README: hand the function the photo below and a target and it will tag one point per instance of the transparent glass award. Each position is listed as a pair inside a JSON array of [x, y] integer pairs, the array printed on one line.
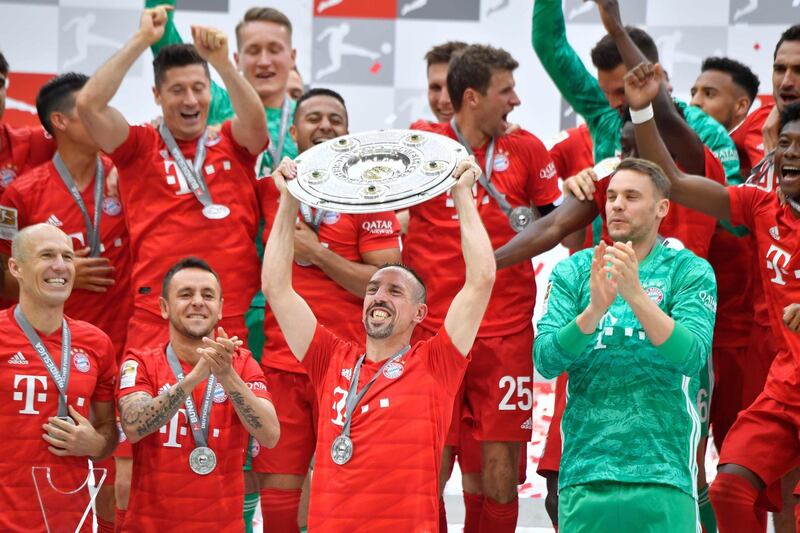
[[64, 501]]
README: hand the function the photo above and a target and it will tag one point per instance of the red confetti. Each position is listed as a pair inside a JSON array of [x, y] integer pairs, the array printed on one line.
[[756, 47], [375, 68]]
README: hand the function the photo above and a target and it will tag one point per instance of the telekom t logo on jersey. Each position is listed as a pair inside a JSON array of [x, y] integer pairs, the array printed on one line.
[[777, 261], [28, 394], [174, 175]]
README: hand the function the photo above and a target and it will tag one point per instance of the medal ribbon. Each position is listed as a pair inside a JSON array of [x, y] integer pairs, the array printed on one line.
[[92, 225], [353, 399], [61, 378], [275, 150], [194, 175], [199, 424], [485, 178], [312, 220]]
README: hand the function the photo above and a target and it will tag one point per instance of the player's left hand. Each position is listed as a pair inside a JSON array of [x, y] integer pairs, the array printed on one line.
[[791, 317], [610, 16], [581, 185], [219, 353], [467, 173], [211, 44], [623, 267], [306, 243], [66, 439], [285, 171]]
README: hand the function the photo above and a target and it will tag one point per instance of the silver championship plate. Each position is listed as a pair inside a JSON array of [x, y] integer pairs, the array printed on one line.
[[202, 460], [520, 217], [376, 171], [341, 450]]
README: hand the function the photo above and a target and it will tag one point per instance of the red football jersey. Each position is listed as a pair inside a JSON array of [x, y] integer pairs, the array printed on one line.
[[777, 234], [162, 481], [732, 258], [22, 149], [166, 222], [398, 432], [30, 397], [748, 138], [335, 307], [691, 227], [571, 151], [523, 171], [40, 195]]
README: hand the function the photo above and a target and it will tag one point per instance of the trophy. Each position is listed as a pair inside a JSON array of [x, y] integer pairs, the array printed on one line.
[[65, 507], [376, 171]]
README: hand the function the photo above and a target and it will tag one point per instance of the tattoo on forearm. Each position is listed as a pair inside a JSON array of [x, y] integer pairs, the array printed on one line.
[[146, 414], [245, 411]]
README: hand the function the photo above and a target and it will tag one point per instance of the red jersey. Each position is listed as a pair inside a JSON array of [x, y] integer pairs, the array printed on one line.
[[30, 397], [777, 235], [748, 138], [166, 222], [162, 482], [40, 195], [523, 171], [22, 149], [692, 228], [398, 431], [732, 258], [349, 236], [571, 151]]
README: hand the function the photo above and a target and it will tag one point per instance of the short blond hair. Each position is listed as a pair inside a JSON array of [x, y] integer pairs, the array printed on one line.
[[263, 14]]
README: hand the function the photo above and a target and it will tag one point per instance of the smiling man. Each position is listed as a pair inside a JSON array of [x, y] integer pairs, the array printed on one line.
[[180, 189], [56, 381], [335, 255], [379, 447], [188, 406]]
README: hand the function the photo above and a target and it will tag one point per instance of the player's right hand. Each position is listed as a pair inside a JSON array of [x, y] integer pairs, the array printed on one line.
[[211, 44], [791, 317], [602, 290], [284, 172], [467, 173], [642, 84], [153, 22], [581, 185], [92, 273]]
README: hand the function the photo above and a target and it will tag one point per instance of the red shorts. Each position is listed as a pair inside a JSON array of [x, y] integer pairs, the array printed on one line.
[[765, 439], [740, 376], [551, 455], [296, 404], [145, 330], [499, 387]]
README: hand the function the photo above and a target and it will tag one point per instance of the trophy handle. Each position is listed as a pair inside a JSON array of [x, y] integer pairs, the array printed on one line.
[[53, 500]]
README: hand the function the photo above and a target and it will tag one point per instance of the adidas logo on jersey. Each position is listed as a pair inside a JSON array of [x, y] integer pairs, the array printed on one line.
[[17, 359], [347, 373], [53, 220], [528, 424], [773, 231]]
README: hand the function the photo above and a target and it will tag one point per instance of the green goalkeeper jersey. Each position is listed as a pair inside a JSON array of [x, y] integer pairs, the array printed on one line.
[[630, 413]]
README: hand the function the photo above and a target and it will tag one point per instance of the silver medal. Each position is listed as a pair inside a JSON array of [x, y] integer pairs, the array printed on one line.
[[202, 460], [216, 211], [520, 217], [341, 450]]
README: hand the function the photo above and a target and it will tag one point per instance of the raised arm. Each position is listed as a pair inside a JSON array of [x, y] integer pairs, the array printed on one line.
[[295, 318], [105, 124], [141, 414], [249, 126], [466, 310], [576, 85], [695, 192], [546, 232]]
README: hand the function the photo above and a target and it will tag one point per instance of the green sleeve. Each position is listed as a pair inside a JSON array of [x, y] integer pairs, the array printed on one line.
[[693, 309], [220, 109], [574, 82], [559, 342]]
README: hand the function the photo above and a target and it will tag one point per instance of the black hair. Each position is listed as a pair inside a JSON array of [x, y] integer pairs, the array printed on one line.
[[4, 67], [739, 73], [58, 94], [789, 114], [186, 262], [318, 91], [791, 34], [423, 292], [176, 55], [605, 55]]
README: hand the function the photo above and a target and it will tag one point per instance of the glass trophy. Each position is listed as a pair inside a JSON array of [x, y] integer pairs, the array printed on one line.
[[65, 501]]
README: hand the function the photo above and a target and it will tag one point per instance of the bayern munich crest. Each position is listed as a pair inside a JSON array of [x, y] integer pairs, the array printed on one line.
[[81, 361], [112, 206], [393, 370], [219, 394], [376, 171]]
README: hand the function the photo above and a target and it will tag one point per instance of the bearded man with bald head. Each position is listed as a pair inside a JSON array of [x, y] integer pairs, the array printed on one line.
[[56, 386]]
